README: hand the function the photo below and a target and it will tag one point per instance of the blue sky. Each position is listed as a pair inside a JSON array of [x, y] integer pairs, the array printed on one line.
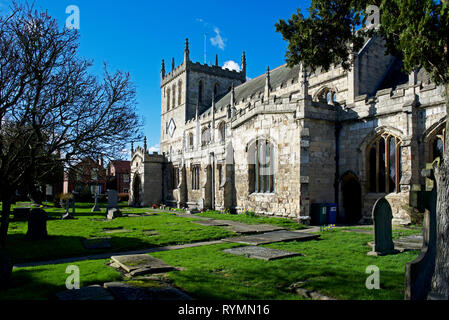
[[135, 36]]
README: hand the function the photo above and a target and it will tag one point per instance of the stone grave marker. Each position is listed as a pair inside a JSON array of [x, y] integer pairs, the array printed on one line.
[[419, 273], [273, 237], [113, 210], [96, 207], [37, 225], [383, 229], [91, 293], [262, 253], [141, 264]]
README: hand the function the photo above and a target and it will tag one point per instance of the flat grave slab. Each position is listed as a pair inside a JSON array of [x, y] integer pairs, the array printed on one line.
[[150, 233], [92, 293], [273, 237], [211, 223], [96, 243], [125, 292], [253, 228], [370, 232], [141, 264], [262, 253], [115, 230]]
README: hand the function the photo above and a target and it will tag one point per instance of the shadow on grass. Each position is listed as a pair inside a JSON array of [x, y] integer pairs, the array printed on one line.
[[22, 251]]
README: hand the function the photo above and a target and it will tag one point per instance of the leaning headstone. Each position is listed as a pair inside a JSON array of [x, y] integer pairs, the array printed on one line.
[[383, 229], [419, 273], [37, 225]]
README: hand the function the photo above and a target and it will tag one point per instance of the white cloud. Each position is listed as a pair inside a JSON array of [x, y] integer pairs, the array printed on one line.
[[232, 65], [155, 148], [218, 40]]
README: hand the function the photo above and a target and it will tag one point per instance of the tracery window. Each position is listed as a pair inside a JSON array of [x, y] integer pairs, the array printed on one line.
[[205, 137], [174, 96], [179, 92], [196, 177], [168, 99], [261, 167], [385, 169]]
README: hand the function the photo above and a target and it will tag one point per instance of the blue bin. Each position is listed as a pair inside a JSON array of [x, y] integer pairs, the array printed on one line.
[[331, 213]]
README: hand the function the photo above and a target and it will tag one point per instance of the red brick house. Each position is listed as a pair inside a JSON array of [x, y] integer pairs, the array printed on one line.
[[87, 176], [121, 170]]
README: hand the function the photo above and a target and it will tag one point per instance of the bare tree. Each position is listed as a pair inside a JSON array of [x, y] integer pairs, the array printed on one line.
[[52, 111]]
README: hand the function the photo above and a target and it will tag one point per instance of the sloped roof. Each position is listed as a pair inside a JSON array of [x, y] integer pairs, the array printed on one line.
[[252, 87]]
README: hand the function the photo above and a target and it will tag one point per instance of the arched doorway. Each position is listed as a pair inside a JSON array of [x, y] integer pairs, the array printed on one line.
[[352, 198], [137, 187]]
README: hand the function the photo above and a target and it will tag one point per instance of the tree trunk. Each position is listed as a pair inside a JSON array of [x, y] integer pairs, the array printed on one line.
[[6, 211], [440, 281]]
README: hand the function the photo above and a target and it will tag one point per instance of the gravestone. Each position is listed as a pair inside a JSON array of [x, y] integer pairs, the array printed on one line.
[[67, 215], [113, 210], [96, 208], [383, 229], [419, 273], [37, 225], [21, 214]]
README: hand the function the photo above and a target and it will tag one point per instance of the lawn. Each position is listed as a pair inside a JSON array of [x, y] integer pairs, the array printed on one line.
[[251, 218], [66, 236], [335, 265]]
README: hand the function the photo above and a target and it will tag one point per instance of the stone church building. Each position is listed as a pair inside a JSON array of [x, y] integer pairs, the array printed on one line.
[[286, 140]]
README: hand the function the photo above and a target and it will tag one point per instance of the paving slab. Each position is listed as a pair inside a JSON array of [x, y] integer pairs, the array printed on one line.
[[115, 230], [92, 293], [273, 237], [211, 223], [122, 291], [262, 253], [96, 243], [141, 262], [252, 228]]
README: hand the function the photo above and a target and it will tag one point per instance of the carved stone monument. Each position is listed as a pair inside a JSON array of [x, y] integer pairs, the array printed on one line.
[[383, 229], [419, 273], [112, 210]]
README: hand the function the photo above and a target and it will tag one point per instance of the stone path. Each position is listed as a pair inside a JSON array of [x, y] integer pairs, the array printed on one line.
[[262, 253], [273, 237], [109, 255]]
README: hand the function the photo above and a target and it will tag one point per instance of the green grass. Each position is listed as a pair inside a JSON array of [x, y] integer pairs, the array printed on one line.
[[42, 283], [334, 266], [65, 236], [250, 218]]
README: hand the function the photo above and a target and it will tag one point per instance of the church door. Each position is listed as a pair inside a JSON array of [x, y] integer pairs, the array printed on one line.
[[352, 198]]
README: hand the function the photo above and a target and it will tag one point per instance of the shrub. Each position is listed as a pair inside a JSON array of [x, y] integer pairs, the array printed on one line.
[[57, 200]]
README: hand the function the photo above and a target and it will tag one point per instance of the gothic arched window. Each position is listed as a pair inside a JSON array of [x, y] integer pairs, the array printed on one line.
[[168, 99], [205, 137], [200, 92], [261, 167], [179, 92], [385, 169], [174, 96], [190, 139], [216, 87], [222, 130]]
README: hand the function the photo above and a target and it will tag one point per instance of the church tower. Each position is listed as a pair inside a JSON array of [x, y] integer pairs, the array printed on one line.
[[187, 87]]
